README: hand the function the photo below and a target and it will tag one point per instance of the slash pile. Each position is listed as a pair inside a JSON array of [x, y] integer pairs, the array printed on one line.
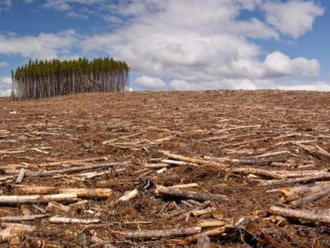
[[181, 169]]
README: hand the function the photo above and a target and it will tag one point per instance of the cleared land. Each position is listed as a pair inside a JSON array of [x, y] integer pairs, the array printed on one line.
[[257, 164]]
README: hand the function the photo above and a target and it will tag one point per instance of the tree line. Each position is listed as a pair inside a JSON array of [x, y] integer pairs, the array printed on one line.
[[47, 78]]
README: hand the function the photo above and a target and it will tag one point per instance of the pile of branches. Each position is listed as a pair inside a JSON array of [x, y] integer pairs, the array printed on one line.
[[47, 78]]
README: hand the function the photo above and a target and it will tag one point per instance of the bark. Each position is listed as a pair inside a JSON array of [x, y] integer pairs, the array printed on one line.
[[160, 190]]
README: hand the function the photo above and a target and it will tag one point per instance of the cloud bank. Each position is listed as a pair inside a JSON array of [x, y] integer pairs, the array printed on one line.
[[187, 44]]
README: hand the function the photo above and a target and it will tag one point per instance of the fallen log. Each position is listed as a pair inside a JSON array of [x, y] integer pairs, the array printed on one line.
[[303, 180], [76, 169], [300, 214], [65, 220], [22, 218], [310, 198], [151, 234], [57, 207], [294, 193], [183, 186], [129, 195], [28, 199], [260, 172], [191, 160], [81, 192], [20, 176], [211, 223], [187, 194], [210, 233]]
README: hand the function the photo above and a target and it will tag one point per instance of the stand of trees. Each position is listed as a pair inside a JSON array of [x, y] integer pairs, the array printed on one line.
[[47, 78]]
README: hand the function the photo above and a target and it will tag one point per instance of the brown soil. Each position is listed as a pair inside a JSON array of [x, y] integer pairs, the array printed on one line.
[[74, 127]]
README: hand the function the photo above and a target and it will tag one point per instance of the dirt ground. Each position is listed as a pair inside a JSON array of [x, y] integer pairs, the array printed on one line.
[[217, 127]]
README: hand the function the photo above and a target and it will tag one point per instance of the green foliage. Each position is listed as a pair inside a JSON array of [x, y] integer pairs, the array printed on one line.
[[46, 78]]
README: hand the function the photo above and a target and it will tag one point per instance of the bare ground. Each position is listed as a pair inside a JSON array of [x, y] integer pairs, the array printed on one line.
[[216, 127]]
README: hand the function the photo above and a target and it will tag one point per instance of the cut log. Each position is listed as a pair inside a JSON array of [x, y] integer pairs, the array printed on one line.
[[303, 180], [65, 220], [151, 234], [22, 218], [294, 193], [300, 214], [191, 160], [310, 198], [129, 195], [211, 223], [210, 233], [76, 169], [20, 176], [28, 199], [186, 194], [260, 172], [57, 207], [184, 186], [81, 192]]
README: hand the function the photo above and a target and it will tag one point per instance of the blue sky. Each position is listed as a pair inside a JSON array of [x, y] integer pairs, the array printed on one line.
[[177, 44]]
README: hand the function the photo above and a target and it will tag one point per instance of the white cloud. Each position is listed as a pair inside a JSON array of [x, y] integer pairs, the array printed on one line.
[[5, 86], [278, 64], [294, 17], [45, 45], [311, 86], [197, 44], [150, 83]]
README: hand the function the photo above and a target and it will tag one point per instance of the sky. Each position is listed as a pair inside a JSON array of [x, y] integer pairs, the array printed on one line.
[[177, 44]]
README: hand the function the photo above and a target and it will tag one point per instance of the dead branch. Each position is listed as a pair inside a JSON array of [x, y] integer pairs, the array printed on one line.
[[65, 220], [303, 180], [28, 199], [76, 169], [20, 176], [210, 233], [22, 218], [151, 234], [300, 214], [310, 198], [190, 160], [81, 192], [160, 190], [256, 171]]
